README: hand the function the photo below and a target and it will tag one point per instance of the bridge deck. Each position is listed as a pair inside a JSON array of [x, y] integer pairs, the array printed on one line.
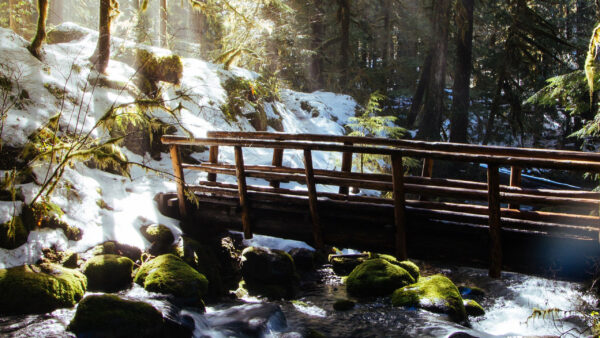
[[481, 223]]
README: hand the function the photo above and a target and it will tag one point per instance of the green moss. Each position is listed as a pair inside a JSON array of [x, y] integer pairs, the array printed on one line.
[[473, 308], [48, 215], [412, 268], [153, 69], [39, 288], [111, 316], [344, 265], [377, 277], [108, 273], [170, 275], [249, 97], [115, 248], [343, 305], [157, 233], [13, 233], [435, 293], [203, 259]]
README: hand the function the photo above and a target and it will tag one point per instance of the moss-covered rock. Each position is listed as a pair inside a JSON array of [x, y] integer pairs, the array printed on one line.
[[470, 291], [111, 316], [170, 275], [109, 273], [407, 265], [202, 258], [39, 288], [116, 248], [377, 277], [160, 236], [473, 308], [13, 233], [271, 273], [304, 259], [48, 215], [343, 305], [436, 293], [66, 32], [343, 265], [153, 68]]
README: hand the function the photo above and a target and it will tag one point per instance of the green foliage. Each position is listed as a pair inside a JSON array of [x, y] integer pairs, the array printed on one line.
[[39, 288], [565, 91], [590, 60], [247, 97]]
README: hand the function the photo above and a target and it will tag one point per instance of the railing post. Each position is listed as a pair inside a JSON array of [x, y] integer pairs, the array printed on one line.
[[346, 166], [515, 181], [179, 178], [213, 157], [312, 199], [277, 162], [242, 191], [399, 211], [427, 171], [494, 221]]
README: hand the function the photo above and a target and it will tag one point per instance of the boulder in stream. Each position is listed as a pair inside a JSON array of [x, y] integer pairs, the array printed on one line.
[[268, 272], [160, 236], [108, 273], [169, 274], [436, 293], [39, 288], [377, 277]]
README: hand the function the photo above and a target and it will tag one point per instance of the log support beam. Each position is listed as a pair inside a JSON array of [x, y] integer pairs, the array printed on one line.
[[242, 191], [399, 206], [312, 199], [179, 179], [494, 221]]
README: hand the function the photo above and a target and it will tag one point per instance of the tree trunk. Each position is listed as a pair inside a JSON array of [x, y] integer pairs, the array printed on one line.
[[430, 121], [493, 110], [459, 120], [417, 99], [387, 33], [163, 23], [36, 45], [102, 54], [344, 15], [316, 62], [55, 17]]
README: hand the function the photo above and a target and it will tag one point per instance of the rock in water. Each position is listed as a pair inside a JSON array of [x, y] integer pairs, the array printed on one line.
[[436, 293], [109, 273], [253, 320], [112, 316], [39, 288], [271, 273], [377, 277], [168, 274]]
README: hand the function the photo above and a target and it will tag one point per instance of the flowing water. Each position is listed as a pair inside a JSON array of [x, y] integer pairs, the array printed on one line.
[[508, 301]]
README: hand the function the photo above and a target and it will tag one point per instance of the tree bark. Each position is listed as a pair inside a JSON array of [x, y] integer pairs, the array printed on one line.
[[35, 48], [430, 120], [459, 119], [317, 28], [56, 15], [417, 99], [102, 54], [163, 23], [344, 15]]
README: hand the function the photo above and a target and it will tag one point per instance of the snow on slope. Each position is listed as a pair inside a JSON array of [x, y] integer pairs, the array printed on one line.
[[130, 202]]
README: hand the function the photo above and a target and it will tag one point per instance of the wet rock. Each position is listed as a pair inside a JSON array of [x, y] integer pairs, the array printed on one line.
[[160, 236], [116, 248], [344, 264], [204, 260], [39, 288], [112, 316], [253, 320], [469, 292], [169, 274], [108, 273], [343, 305], [269, 272], [473, 308], [304, 259], [71, 260], [436, 293], [377, 277]]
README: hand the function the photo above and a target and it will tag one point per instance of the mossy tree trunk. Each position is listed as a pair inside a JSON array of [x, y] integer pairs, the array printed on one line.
[[317, 28], [35, 48], [102, 53], [430, 118], [459, 119]]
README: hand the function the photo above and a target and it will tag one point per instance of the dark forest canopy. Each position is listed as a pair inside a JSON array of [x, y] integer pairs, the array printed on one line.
[[462, 70]]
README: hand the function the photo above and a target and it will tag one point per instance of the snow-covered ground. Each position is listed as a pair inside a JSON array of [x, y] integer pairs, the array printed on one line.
[[66, 68]]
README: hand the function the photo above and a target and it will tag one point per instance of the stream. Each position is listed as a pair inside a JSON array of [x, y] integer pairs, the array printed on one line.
[[508, 301]]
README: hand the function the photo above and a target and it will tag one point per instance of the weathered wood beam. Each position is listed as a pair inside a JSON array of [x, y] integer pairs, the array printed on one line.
[[399, 205], [515, 181], [276, 162], [179, 179], [213, 157], [494, 221], [346, 167], [312, 199], [243, 194]]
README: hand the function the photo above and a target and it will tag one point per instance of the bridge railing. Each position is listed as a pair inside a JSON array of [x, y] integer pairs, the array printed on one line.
[[582, 223]]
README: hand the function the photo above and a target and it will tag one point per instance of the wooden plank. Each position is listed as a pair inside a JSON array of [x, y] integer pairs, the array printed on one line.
[[443, 146], [494, 221], [276, 162], [399, 208], [312, 199], [515, 181], [179, 179], [242, 191], [213, 157], [346, 167], [426, 172]]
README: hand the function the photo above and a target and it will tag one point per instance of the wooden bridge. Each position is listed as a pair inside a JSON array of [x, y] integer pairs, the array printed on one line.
[[469, 221]]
